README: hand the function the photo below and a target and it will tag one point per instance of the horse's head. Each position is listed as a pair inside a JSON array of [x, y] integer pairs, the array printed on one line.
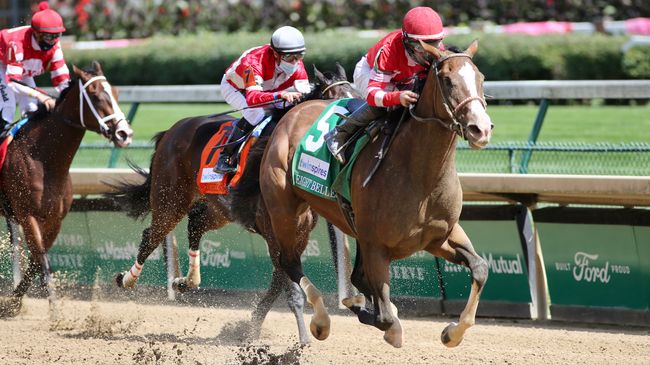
[[98, 108], [334, 85], [459, 94]]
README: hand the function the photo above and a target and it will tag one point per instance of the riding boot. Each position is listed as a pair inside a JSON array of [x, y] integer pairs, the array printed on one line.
[[359, 118], [227, 162]]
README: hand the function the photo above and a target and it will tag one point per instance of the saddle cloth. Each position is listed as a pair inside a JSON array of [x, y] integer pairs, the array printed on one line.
[[210, 182], [314, 169], [4, 145]]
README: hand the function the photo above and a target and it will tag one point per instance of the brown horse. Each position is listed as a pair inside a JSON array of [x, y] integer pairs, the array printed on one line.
[[36, 185], [170, 192], [412, 203]]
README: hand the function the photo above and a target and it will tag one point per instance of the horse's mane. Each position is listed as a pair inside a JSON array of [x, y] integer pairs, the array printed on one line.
[[317, 89], [41, 112]]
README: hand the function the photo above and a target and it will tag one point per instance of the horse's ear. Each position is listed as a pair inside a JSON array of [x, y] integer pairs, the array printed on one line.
[[473, 47], [79, 72], [319, 75], [98, 68], [431, 49], [341, 71]]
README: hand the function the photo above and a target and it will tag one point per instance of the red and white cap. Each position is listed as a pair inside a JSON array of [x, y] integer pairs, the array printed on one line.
[[47, 20], [423, 23]]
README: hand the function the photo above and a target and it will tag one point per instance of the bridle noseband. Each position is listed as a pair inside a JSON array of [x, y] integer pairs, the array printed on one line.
[[83, 95], [454, 125]]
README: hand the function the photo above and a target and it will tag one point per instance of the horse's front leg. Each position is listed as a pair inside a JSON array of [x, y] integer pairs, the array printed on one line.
[[376, 267], [292, 240], [459, 250], [201, 219]]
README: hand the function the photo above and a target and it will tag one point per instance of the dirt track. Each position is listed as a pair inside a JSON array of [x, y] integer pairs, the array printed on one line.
[[129, 333]]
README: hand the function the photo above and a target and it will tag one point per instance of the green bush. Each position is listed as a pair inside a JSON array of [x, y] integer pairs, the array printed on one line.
[[202, 58], [636, 62]]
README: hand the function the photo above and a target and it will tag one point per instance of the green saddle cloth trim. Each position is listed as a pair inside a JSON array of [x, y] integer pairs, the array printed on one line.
[[314, 169]]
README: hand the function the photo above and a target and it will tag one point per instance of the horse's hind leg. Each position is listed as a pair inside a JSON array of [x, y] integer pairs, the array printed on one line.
[[202, 218], [459, 250]]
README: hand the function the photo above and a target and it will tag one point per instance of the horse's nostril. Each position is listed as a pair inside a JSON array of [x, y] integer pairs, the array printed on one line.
[[122, 135], [474, 130]]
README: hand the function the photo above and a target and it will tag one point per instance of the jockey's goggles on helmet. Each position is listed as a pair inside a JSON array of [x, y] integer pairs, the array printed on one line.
[[49, 37], [292, 57]]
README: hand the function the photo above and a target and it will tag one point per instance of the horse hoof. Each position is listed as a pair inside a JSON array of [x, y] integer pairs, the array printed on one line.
[[445, 336], [394, 337], [320, 332], [10, 307], [355, 301], [119, 277], [180, 285], [119, 280]]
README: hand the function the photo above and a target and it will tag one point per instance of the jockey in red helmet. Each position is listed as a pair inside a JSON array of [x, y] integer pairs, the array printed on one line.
[[386, 74], [262, 74], [26, 52]]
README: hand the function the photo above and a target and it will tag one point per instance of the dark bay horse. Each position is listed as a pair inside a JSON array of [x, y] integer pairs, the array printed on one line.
[[36, 186], [412, 203], [170, 192]]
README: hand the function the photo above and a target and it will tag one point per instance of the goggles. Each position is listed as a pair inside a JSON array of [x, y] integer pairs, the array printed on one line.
[[292, 57], [49, 37]]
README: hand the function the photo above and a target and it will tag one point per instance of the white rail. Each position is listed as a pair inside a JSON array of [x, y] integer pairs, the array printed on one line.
[[563, 189]]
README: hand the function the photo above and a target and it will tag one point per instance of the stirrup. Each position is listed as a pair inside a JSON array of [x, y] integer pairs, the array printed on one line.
[[225, 166]]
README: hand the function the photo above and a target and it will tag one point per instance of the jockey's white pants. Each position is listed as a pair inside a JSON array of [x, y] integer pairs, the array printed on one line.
[[237, 100], [362, 76], [8, 97]]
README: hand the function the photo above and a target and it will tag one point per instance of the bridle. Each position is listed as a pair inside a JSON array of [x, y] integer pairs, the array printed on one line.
[[343, 82], [454, 125], [117, 112]]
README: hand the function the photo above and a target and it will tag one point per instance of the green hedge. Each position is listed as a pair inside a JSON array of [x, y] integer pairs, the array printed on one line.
[[202, 59]]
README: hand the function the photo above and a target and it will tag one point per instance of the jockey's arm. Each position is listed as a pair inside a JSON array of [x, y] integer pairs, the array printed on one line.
[[380, 81], [20, 89]]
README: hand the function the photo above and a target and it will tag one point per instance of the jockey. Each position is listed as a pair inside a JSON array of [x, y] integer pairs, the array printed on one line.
[[261, 75], [26, 52], [386, 74]]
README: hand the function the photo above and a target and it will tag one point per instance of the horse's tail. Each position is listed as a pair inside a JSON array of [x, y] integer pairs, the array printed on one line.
[[246, 195], [134, 198]]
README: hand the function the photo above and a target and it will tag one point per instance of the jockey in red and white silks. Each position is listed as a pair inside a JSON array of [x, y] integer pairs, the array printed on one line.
[[256, 77], [386, 74], [262, 74], [26, 52]]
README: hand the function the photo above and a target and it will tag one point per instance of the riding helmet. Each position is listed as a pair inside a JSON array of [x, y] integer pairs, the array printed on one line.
[[422, 23], [47, 20], [288, 40]]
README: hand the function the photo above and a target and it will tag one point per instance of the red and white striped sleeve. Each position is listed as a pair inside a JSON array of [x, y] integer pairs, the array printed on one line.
[[381, 76], [14, 61], [59, 72]]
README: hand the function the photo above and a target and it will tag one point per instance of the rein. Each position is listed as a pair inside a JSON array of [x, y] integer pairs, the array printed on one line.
[[454, 125]]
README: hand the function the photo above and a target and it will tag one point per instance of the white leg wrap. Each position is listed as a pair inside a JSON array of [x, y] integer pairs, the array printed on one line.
[[131, 276], [194, 270]]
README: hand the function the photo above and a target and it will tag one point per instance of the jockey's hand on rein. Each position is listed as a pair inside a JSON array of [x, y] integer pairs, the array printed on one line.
[[291, 96], [407, 98], [49, 103]]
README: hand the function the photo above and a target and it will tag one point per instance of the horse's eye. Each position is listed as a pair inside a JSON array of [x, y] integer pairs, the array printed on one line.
[[447, 81]]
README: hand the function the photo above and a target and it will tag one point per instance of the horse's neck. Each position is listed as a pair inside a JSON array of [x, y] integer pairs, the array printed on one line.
[[435, 144], [64, 139]]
